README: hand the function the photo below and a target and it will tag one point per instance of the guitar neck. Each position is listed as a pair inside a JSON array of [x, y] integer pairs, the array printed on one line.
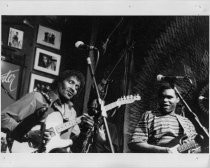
[[67, 125], [187, 146], [110, 106]]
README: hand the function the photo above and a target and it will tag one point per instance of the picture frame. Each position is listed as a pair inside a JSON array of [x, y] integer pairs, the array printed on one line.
[[49, 37], [15, 38], [47, 61], [39, 83]]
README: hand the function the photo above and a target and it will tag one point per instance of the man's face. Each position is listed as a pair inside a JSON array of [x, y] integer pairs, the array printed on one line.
[[168, 101], [45, 60], [69, 87]]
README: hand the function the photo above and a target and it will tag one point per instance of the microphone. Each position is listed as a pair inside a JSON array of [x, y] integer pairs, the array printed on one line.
[[26, 22], [168, 78], [202, 97], [81, 45]]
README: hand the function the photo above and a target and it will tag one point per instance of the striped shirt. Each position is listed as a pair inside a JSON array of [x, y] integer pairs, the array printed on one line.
[[157, 129]]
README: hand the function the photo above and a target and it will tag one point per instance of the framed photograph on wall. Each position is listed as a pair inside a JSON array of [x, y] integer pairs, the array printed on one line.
[[49, 37], [39, 83], [47, 61], [15, 38]]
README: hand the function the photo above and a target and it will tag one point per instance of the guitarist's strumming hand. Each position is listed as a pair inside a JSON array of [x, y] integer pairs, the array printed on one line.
[[36, 137], [173, 149], [47, 135]]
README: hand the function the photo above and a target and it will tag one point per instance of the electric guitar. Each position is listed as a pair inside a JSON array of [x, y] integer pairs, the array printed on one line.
[[54, 124], [186, 145]]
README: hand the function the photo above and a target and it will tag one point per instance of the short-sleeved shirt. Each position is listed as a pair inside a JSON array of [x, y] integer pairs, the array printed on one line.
[[157, 129], [28, 104]]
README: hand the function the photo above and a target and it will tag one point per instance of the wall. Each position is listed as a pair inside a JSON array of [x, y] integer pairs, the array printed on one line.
[[73, 28], [24, 56]]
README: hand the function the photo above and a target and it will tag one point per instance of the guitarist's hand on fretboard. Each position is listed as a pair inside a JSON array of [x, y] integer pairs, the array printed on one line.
[[87, 121]]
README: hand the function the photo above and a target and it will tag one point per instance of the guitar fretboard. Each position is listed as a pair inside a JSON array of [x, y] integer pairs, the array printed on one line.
[[67, 125], [110, 106], [126, 100]]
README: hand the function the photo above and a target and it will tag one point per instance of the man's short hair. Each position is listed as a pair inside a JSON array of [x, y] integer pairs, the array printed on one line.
[[163, 86], [66, 74]]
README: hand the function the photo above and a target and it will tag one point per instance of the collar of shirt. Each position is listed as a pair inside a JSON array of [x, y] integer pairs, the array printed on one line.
[[66, 109], [56, 100], [158, 113]]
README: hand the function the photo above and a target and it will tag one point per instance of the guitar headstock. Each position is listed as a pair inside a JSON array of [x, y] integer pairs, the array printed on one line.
[[128, 99]]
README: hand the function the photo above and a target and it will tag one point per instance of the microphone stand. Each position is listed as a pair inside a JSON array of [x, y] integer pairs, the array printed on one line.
[[189, 109], [101, 104], [104, 46]]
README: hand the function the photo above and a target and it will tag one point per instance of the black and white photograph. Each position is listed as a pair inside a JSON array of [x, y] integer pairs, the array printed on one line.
[[40, 83], [47, 61], [15, 38], [49, 37], [120, 81]]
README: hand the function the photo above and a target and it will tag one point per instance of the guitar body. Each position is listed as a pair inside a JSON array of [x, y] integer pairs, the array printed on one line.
[[52, 120], [186, 145]]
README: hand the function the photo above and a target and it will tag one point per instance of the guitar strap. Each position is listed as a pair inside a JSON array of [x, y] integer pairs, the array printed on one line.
[[47, 98], [50, 102], [188, 130]]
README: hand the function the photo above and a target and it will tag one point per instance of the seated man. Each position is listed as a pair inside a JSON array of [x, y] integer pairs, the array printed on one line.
[[160, 131], [53, 109]]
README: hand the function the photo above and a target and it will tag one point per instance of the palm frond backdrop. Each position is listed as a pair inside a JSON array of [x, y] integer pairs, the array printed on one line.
[[183, 50]]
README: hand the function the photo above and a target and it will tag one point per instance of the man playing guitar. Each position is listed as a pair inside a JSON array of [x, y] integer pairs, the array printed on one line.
[[49, 110], [161, 130]]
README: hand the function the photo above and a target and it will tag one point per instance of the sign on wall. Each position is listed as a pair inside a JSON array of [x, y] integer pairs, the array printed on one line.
[[10, 74]]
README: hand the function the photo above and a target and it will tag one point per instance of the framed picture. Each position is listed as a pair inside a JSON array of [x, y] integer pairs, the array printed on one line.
[[39, 83], [47, 61], [15, 38], [49, 37]]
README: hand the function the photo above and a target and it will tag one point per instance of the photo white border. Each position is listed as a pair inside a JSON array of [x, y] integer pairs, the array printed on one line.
[[107, 7], [40, 78], [36, 62], [41, 34]]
